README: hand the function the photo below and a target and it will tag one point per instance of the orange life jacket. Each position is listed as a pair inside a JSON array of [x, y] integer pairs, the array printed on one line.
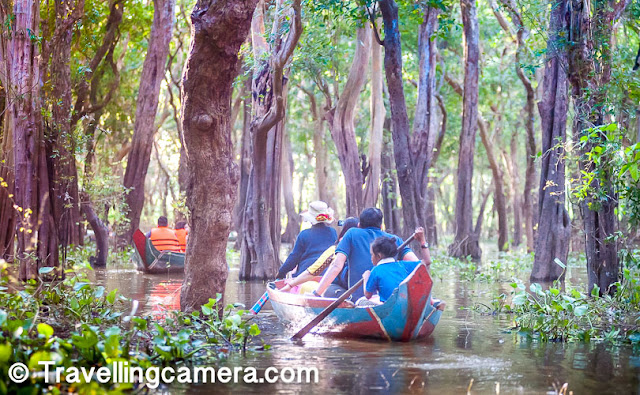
[[182, 239], [164, 239]]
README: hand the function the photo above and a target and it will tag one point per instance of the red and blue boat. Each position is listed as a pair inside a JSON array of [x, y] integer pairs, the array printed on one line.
[[409, 313]]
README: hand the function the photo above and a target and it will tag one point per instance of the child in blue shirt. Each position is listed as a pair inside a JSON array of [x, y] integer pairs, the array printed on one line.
[[387, 272]]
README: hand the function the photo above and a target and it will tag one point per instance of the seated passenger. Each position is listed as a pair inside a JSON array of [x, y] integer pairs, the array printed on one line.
[[353, 252], [182, 232], [387, 272], [312, 242], [163, 238], [305, 279]]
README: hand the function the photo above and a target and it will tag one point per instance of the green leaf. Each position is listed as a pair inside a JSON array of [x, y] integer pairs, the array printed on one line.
[[45, 330], [45, 270], [254, 330], [5, 352], [633, 171], [206, 310], [520, 299], [111, 297], [536, 288], [580, 310], [78, 286], [99, 292], [559, 263]]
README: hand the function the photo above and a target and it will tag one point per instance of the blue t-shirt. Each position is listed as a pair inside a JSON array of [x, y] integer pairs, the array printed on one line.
[[386, 277], [310, 244], [356, 245]]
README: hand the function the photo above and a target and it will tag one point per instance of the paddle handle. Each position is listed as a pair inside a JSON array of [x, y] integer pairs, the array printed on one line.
[[300, 334], [260, 303], [327, 311]]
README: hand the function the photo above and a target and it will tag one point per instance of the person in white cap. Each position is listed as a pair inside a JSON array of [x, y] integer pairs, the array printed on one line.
[[312, 242]]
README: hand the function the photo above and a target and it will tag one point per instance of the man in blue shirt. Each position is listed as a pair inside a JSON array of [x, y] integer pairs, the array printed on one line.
[[354, 251]]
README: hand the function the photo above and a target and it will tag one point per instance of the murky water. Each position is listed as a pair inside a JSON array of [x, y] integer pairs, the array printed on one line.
[[465, 346]]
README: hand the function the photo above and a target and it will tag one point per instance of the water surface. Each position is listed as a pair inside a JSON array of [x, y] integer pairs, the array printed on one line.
[[465, 346]]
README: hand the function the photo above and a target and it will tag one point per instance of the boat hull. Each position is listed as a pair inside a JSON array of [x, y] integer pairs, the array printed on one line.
[[407, 315], [149, 260]]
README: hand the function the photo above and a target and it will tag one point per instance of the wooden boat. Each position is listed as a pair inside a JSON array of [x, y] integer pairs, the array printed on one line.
[[407, 315], [150, 260]]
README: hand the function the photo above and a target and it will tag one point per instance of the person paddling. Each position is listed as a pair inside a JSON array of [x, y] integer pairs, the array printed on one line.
[[354, 251]]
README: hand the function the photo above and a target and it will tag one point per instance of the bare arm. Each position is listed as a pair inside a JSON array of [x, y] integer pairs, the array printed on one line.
[[426, 255], [365, 276], [302, 278], [332, 272]]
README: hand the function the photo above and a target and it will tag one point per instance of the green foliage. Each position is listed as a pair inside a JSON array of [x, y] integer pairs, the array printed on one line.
[[75, 323], [609, 161], [555, 314]]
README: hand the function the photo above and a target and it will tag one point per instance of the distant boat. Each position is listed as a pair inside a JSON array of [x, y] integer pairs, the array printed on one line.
[[150, 260], [407, 315]]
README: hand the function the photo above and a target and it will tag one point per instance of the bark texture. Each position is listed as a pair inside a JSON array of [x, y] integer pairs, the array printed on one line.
[[37, 240], [151, 78], [400, 121], [590, 33], [529, 123], [261, 226], [466, 242], [500, 200], [60, 140], [341, 121], [206, 125], [553, 219], [378, 114], [413, 153], [293, 217]]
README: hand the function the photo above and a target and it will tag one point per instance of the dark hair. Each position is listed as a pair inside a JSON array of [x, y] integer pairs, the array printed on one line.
[[385, 246], [163, 221], [347, 224], [371, 217], [181, 224]]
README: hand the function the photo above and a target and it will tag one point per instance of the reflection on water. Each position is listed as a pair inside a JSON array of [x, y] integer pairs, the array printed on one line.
[[465, 346]]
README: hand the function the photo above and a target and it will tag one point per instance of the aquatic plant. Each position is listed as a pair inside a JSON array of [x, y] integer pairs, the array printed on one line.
[[74, 323], [555, 314]]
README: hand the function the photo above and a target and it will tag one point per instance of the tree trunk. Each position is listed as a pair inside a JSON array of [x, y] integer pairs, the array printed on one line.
[[412, 213], [261, 226], [245, 169], [146, 106], [37, 240], [512, 162], [553, 219], [100, 231], [529, 123], [206, 119], [589, 72], [7, 213], [500, 201], [464, 244], [378, 114], [426, 140], [60, 142], [431, 226], [293, 217], [341, 123], [390, 209]]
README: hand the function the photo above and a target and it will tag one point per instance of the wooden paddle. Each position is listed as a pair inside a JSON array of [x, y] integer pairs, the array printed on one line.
[[300, 334]]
